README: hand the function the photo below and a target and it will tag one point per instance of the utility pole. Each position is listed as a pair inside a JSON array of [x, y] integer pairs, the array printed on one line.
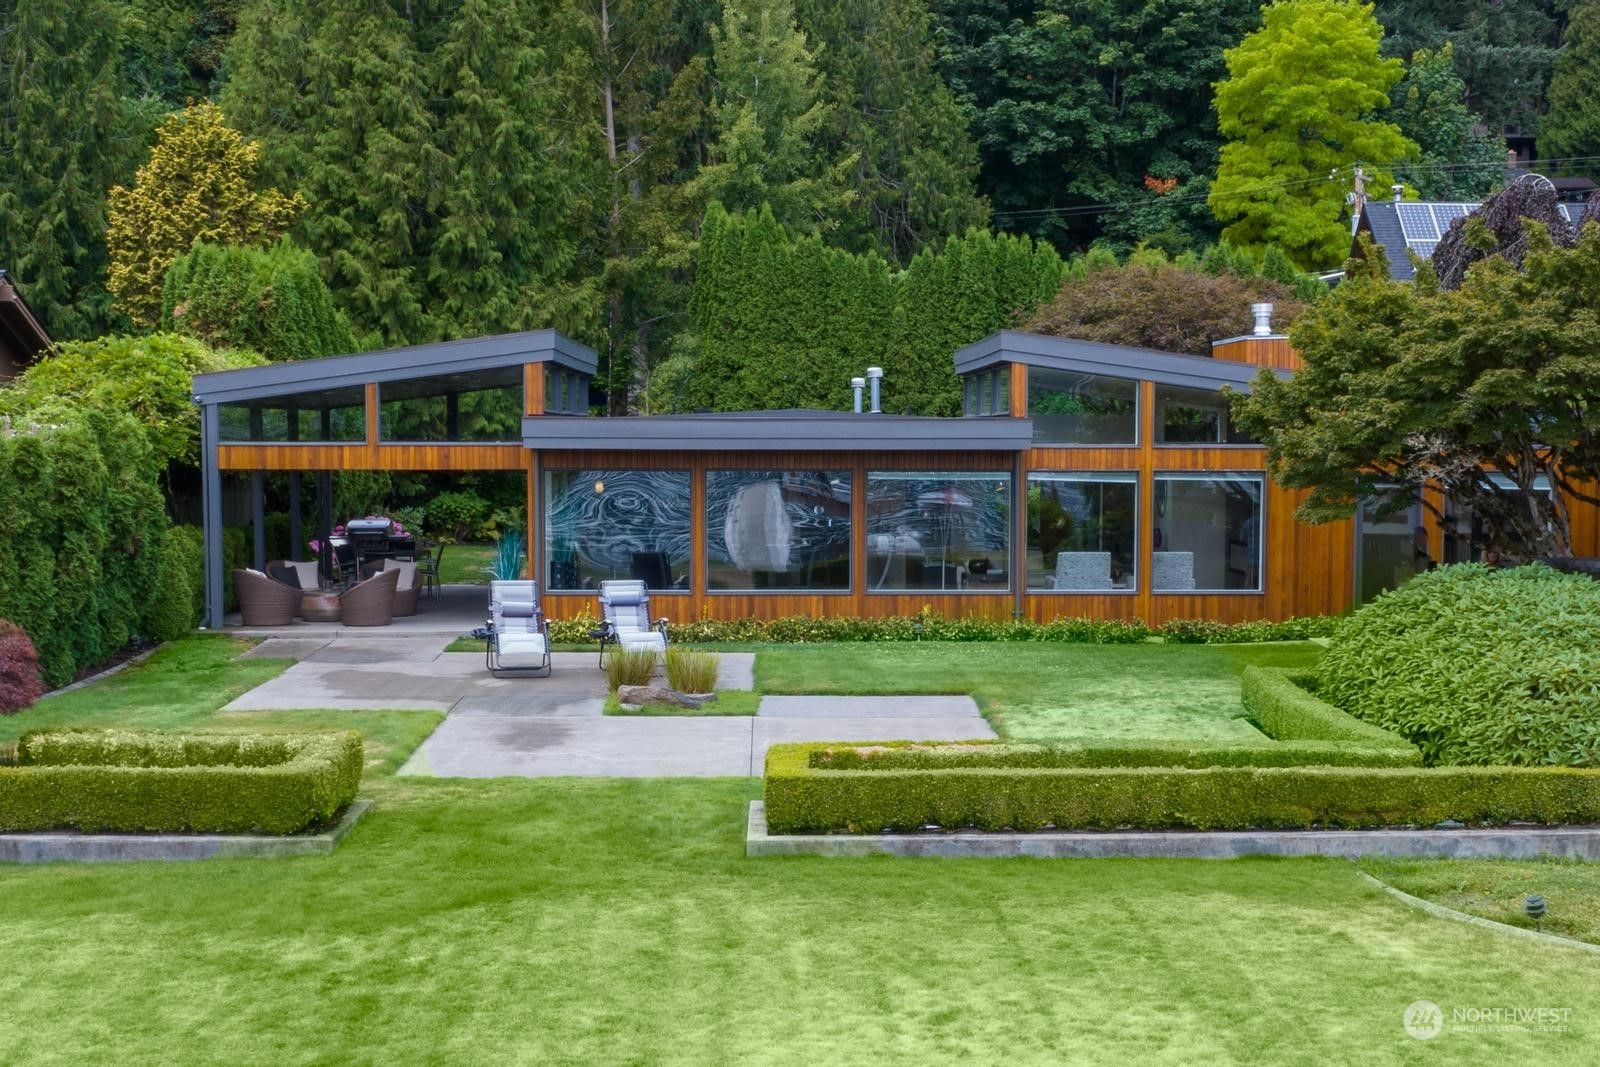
[[1358, 199]]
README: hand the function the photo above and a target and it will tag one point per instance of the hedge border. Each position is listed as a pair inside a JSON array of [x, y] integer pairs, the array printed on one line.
[[801, 799], [1283, 704], [145, 781], [922, 755]]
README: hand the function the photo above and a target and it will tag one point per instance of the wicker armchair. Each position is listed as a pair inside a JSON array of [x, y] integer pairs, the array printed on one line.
[[370, 602], [409, 592], [264, 601]]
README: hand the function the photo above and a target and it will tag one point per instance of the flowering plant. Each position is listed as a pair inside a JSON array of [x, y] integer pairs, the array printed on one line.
[[396, 529]]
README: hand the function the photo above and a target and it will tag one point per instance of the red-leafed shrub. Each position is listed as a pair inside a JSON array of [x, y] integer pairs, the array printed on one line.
[[19, 669]]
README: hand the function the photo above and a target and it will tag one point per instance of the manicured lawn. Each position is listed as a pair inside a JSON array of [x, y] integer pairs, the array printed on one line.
[[1495, 889], [617, 921], [728, 702], [1040, 691], [466, 564]]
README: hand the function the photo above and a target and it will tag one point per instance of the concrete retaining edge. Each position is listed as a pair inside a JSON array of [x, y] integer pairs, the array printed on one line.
[[1442, 912], [131, 661], [1506, 843], [101, 848]]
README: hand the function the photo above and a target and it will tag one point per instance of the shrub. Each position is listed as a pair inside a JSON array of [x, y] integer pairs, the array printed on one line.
[[20, 684], [140, 781], [911, 755], [170, 613], [691, 672], [629, 667], [187, 545], [800, 798], [1209, 632], [1477, 666], [236, 555], [457, 514]]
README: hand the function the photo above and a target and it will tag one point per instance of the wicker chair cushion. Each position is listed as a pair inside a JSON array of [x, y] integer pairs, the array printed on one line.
[[408, 572]]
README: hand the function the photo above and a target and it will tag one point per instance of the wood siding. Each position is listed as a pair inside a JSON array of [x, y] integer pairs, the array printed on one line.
[[1259, 352]]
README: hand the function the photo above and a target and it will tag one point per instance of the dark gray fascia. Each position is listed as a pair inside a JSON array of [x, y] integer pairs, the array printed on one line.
[[1112, 361], [416, 361], [774, 432]]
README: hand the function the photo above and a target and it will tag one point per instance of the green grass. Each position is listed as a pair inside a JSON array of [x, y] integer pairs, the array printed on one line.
[[728, 702], [572, 921], [1034, 692], [1495, 889], [466, 564]]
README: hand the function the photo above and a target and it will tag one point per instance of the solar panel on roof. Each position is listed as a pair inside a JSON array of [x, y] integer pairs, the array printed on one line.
[[1445, 214], [1422, 248], [1416, 222]]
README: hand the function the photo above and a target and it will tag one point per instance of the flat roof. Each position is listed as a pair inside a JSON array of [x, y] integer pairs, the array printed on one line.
[[442, 358], [778, 431], [1112, 361]]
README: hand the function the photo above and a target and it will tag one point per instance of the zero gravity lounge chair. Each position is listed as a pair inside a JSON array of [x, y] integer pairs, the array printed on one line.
[[519, 636], [625, 619]]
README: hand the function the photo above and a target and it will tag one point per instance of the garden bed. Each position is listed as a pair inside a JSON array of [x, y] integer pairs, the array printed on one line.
[[142, 781]]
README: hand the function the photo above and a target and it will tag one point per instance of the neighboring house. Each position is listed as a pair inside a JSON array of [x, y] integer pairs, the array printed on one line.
[[1083, 479], [22, 337], [1417, 225]]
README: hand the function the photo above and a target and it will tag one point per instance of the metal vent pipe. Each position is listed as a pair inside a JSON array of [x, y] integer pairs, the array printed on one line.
[[875, 376]]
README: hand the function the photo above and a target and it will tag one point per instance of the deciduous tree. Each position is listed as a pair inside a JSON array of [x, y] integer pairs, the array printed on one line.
[[1457, 162], [1413, 384], [1298, 110], [1572, 126]]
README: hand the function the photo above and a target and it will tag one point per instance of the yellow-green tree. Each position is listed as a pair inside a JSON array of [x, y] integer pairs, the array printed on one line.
[[197, 186]]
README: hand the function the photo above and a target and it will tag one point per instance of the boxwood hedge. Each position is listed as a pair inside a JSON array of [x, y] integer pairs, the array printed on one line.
[[139, 781], [801, 798], [903, 755], [1283, 703]]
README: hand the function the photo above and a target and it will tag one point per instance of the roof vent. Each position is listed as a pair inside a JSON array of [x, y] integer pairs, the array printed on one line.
[[1398, 190], [1263, 316], [856, 385], [875, 376]]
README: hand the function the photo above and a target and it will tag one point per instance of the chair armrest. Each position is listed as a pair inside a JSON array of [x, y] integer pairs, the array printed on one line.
[[661, 624]]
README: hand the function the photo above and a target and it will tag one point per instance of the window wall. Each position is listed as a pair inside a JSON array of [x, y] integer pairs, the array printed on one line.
[[323, 415], [940, 531], [1206, 532], [778, 530], [1068, 408], [1195, 416], [987, 392], [602, 524], [1082, 531], [1391, 542], [474, 406]]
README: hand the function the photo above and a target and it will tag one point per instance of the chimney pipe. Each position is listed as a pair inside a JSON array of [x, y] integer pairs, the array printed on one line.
[[1263, 317], [1398, 190], [875, 375], [858, 384]]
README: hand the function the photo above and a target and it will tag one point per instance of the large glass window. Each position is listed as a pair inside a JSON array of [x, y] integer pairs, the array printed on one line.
[[1393, 543], [777, 530], [1206, 532], [1195, 416], [987, 392], [1081, 531], [324, 415], [1468, 534], [942, 531], [602, 524], [483, 405], [1069, 408]]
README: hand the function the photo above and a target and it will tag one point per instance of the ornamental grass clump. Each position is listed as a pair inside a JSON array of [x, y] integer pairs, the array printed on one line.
[[691, 672], [629, 667], [1477, 666]]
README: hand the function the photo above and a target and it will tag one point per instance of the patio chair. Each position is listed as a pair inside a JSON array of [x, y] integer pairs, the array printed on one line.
[[409, 591], [265, 601], [296, 574], [625, 619], [518, 634], [428, 566], [370, 602]]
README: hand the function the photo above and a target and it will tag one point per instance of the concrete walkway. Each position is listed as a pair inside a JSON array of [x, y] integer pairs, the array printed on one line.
[[535, 727]]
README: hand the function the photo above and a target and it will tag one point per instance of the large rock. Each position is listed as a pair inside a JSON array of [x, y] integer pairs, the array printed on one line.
[[639, 695]]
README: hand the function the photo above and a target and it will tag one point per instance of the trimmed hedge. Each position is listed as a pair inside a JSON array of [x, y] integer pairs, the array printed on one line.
[[1285, 707], [802, 799], [931, 626], [140, 781], [912, 755]]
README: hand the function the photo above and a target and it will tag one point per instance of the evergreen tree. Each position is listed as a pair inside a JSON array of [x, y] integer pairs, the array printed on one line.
[[768, 118], [1572, 127], [1297, 106], [64, 140], [917, 167], [195, 187], [1457, 163]]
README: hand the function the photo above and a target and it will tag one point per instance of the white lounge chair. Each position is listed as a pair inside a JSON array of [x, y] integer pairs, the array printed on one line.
[[625, 619], [518, 634]]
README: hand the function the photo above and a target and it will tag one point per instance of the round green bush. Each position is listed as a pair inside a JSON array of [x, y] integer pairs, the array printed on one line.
[[1477, 666]]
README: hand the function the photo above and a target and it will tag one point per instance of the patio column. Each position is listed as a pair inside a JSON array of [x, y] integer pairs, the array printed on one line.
[[258, 520], [211, 514]]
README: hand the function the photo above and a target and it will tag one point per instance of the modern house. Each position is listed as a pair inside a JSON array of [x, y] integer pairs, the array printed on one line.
[[22, 337], [1083, 479]]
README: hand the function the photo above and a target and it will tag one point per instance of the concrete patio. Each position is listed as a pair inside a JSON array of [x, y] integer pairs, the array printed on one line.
[[538, 727]]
